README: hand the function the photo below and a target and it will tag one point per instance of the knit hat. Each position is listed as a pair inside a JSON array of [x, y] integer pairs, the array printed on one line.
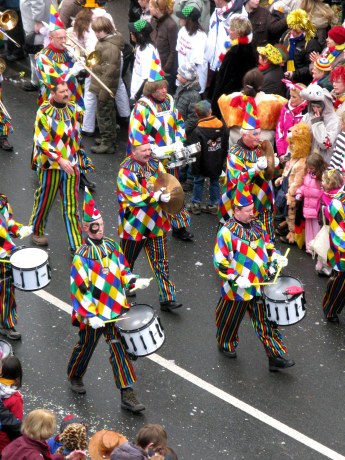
[[187, 71], [272, 54], [90, 211], [55, 22], [337, 34], [250, 120], [71, 418], [189, 11], [156, 71], [323, 64], [141, 26], [243, 196], [103, 443], [299, 20]]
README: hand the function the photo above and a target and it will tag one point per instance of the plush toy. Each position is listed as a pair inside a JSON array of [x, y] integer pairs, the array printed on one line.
[[300, 141]]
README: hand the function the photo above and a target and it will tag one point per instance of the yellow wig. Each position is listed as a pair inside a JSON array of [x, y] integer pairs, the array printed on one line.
[[299, 20]]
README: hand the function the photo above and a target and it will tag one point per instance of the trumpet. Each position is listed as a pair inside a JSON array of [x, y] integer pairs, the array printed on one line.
[[92, 59], [8, 21]]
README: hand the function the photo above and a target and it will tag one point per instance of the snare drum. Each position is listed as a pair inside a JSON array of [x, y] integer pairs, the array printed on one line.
[[141, 330], [5, 349], [30, 269], [282, 308]]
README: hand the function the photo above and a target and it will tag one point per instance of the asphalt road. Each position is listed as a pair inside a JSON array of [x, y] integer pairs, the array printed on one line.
[[212, 407]]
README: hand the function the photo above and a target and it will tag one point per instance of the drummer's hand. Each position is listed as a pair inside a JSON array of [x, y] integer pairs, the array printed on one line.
[[243, 282], [24, 231], [282, 261], [158, 193], [3, 253], [96, 322], [66, 166], [142, 283], [165, 197]]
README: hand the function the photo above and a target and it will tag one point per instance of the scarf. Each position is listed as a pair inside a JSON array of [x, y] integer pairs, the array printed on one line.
[[340, 99], [263, 67], [221, 12], [237, 41], [291, 49], [7, 388], [334, 51]]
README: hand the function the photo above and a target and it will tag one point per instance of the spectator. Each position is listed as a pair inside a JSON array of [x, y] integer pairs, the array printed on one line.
[[322, 16], [54, 441], [337, 79], [335, 42], [270, 65], [103, 443], [202, 5], [321, 72], [338, 156]]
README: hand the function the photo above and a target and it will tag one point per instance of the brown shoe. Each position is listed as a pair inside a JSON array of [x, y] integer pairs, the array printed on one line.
[[39, 240], [11, 333]]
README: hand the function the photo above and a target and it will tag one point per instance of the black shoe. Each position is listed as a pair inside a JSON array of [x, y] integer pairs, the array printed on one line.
[[275, 363], [130, 294], [170, 305], [84, 182], [227, 353], [130, 402], [87, 133], [5, 145], [182, 234], [11, 333], [333, 319], [77, 385], [29, 86]]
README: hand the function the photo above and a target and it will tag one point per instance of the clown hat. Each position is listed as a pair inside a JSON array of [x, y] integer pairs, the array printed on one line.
[[50, 77], [323, 64], [90, 211], [250, 120], [55, 22], [271, 53], [243, 196], [138, 138], [156, 71]]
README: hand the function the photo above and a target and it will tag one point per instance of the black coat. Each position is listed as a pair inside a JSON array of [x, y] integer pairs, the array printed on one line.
[[266, 27], [273, 81], [237, 61]]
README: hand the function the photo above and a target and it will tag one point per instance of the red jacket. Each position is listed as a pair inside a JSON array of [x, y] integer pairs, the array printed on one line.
[[15, 405], [25, 448]]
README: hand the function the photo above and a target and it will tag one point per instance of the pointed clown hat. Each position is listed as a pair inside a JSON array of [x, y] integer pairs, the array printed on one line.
[[136, 137], [50, 77], [250, 120], [243, 196], [90, 211], [156, 71], [55, 22]]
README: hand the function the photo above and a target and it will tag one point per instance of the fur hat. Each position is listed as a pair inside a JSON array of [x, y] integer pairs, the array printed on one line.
[[73, 437], [103, 443], [337, 34], [71, 418], [187, 71], [299, 20]]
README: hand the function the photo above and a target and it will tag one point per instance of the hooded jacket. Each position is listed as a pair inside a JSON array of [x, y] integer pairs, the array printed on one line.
[[186, 97]]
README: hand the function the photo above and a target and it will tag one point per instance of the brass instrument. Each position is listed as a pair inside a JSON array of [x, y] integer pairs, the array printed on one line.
[[2, 105], [92, 59], [8, 21]]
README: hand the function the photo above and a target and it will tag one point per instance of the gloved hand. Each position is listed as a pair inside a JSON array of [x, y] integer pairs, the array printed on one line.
[[142, 283], [272, 270], [77, 67], [158, 193], [178, 145], [25, 231], [165, 197], [243, 283], [3, 253], [282, 261], [261, 164], [276, 161], [96, 322]]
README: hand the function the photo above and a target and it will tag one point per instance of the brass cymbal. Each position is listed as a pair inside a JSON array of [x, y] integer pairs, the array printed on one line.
[[173, 187]]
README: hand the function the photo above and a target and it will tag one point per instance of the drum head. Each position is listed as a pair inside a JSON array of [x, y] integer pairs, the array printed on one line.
[[5, 349], [137, 318], [275, 292], [28, 258]]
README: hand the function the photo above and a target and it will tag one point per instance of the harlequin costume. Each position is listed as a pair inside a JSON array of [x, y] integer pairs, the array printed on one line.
[[142, 222], [6, 126], [98, 278], [244, 250], [333, 301], [57, 135]]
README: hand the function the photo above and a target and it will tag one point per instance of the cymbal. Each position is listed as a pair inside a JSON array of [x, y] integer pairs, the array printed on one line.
[[173, 187]]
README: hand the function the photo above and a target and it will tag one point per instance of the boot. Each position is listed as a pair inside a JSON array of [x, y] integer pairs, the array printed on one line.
[[77, 385], [84, 182], [182, 234], [276, 363], [103, 148], [130, 402], [11, 333]]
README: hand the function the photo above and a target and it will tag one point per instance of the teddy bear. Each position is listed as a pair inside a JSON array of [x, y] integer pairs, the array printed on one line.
[[300, 143]]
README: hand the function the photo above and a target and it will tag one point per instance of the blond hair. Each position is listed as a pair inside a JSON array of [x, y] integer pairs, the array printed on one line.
[[332, 179], [151, 86], [164, 6], [39, 424], [241, 25]]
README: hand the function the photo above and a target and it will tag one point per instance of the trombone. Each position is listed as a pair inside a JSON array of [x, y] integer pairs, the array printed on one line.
[[2, 105], [8, 21], [92, 59]]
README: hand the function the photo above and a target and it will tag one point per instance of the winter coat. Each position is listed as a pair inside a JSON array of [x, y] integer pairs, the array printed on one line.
[[265, 26], [289, 116], [14, 403], [311, 192], [164, 37], [186, 97], [273, 84], [301, 58], [212, 135], [127, 451], [237, 61], [25, 448], [108, 70]]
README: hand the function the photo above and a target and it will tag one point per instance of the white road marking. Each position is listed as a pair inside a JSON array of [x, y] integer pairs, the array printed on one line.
[[213, 390]]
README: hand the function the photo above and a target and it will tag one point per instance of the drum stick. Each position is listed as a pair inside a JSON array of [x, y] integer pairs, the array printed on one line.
[[135, 288], [115, 320], [280, 268], [5, 261]]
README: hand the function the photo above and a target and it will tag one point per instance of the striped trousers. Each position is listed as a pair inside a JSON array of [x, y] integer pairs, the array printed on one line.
[[156, 254], [123, 370], [333, 300], [229, 314], [8, 306], [266, 218], [50, 181]]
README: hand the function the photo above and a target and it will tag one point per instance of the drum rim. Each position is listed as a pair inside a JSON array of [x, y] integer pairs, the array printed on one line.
[[142, 327], [287, 299]]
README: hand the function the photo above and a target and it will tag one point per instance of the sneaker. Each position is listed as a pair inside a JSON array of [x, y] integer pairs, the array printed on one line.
[[11, 333], [77, 385], [5, 145], [195, 209], [210, 209], [318, 266], [103, 149], [130, 402], [39, 240]]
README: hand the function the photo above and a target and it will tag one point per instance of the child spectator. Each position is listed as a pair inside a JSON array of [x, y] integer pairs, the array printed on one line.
[[10, 382], [311, 192], [338, 157], [212, 135], [74, 437], [153, 438], [109, 45], [332, 182], [55, 442], [290, 115], [104, 442]]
